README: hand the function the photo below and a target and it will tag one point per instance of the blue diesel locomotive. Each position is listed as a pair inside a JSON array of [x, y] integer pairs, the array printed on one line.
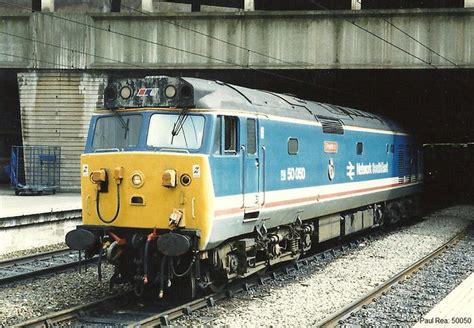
[[195, 183]]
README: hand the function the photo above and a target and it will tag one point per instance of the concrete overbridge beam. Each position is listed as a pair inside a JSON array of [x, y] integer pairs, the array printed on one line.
[[257, 39]]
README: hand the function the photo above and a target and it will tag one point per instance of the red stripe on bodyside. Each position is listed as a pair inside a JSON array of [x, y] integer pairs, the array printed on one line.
[[310, 199]]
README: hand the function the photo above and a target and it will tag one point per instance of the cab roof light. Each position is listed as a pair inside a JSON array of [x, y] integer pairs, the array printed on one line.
[[170, 91], [126, 92], [156, 91]]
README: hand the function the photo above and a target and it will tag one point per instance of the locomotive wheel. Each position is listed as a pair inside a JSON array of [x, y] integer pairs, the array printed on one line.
[[184, 288], [218, 282], [392, 213], [212, 280]]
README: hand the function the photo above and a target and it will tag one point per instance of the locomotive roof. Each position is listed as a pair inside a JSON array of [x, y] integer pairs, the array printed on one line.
[[188, 92], [219, 95]]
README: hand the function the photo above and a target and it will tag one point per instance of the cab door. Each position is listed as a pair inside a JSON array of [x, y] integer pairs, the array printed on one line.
[[250, 163]]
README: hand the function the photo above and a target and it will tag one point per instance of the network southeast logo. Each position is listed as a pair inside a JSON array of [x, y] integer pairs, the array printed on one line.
[[365, 169]]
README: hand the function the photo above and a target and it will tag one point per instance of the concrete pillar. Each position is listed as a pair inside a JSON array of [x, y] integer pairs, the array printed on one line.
[[147, 5], [356, 4], [47, 5], [468, 3], [249, 5]]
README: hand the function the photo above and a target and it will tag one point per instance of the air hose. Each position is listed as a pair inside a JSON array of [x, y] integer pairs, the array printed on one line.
[[145, 262], [186, 272], [162, 276], [152, 236], [98, 207]]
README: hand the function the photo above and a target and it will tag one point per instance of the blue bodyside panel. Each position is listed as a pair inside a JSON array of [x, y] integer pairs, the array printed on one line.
[[226, 174], [310, 166]]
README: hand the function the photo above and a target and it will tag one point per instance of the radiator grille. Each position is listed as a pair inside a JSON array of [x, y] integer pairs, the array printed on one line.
[[331, 125]]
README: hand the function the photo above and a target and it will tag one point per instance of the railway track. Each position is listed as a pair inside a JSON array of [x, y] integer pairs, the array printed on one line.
[[127, 310], [38, 265], [339, 317]]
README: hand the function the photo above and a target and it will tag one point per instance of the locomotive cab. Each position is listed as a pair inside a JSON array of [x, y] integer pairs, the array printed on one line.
[[136, 173], [146, 186]]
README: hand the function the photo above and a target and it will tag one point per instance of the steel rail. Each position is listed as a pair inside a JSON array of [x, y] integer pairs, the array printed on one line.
[[37, 258], [28, 258], [164, 318], [51, 319], [338, 317]]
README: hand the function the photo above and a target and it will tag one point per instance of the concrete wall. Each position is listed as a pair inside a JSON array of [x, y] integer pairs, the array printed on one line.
[[20, 233], [55, 110], [296, 40]]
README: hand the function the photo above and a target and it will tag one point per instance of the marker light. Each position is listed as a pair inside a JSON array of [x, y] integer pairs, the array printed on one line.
[[137, 180], [185, 180], [170, 91], [125, 92]]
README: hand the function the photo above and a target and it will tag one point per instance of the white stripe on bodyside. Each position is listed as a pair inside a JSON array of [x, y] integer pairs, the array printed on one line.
[[361, 129], [236, 201], [295, 193]]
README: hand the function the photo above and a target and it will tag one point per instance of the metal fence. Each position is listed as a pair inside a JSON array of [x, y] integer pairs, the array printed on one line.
[[35, 169]]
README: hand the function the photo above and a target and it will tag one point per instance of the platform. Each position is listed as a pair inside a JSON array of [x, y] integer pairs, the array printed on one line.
[[455, 310], [12, 206], [34, 221]]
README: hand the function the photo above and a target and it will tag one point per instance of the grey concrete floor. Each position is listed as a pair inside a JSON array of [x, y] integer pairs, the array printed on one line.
[[12, 205]]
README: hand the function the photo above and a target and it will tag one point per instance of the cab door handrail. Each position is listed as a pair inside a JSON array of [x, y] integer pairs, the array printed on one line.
[[243, 151]]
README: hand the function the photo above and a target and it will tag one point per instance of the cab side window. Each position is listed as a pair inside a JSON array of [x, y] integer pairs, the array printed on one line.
[[230, 135], [225, 136]]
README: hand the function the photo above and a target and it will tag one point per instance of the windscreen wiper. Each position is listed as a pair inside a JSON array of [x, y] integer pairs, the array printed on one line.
[[178, 125], [122, 123]]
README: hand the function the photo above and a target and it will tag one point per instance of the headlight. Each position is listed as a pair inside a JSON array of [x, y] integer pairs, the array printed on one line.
[[137, 179], [170, 91], [125, 92]]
